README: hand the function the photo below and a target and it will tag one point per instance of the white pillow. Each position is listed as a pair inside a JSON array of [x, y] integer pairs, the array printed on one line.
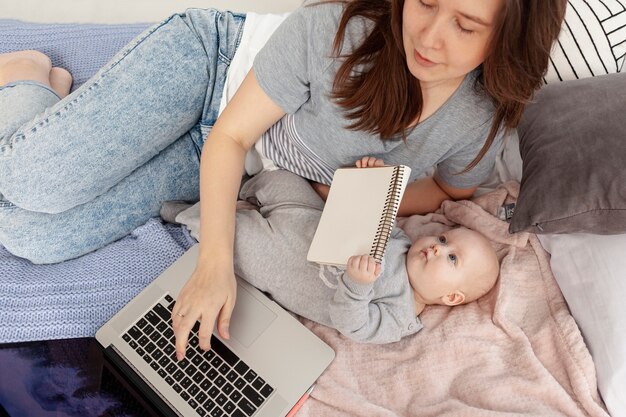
[[592, 40], [591, 272]]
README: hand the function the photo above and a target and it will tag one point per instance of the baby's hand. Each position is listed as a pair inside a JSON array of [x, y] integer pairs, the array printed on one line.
[[363, 269], [369, 161]]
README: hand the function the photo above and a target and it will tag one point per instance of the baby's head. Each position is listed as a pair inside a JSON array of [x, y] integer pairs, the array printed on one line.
[[456, 267]]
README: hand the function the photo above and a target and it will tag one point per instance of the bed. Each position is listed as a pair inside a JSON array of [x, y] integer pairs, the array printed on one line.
[[548, 340]]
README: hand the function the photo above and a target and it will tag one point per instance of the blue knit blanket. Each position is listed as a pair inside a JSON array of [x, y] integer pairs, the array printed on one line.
[[74, 298]]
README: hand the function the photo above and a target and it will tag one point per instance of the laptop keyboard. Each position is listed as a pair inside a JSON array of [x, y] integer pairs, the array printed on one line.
[[214, 383]]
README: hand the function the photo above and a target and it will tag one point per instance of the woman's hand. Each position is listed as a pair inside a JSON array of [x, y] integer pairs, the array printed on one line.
[[209, 296]]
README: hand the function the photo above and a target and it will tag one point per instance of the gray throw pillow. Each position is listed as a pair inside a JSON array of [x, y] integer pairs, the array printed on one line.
[[573, 148]]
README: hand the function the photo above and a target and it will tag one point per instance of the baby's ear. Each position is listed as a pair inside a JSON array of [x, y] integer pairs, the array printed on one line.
[[453, 299]]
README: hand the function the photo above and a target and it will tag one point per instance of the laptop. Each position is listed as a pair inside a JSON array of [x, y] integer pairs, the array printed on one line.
[[269, 363]]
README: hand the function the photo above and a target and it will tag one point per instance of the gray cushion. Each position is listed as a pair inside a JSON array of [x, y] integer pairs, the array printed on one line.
[[573, 147]]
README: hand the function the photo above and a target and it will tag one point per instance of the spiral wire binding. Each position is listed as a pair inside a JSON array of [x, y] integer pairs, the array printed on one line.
[[390, 210]]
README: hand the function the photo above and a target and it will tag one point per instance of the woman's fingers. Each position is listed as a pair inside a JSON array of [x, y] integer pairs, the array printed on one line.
[[369, 161]]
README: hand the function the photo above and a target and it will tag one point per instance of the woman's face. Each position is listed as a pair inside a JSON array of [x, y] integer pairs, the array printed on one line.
[[446, 39]]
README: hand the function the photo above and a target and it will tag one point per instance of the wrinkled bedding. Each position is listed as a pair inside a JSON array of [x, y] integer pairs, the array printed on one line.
[[516, 351]]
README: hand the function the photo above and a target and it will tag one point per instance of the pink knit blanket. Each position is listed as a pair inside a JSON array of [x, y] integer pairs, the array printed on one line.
[[516, 351]]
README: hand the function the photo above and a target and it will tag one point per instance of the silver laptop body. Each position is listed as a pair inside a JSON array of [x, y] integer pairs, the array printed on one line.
[[284, 358]]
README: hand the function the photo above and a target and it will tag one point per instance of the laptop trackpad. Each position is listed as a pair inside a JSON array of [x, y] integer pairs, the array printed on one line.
[[250, 317]]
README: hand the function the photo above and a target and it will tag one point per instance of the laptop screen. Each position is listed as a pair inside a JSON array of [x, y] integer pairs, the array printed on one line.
[[61, 378]]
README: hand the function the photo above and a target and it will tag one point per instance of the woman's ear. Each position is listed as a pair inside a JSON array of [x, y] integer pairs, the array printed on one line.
[[453, 299]]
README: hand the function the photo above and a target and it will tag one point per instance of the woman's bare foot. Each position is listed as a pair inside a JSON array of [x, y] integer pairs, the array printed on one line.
[[25, 65], [60, 81]]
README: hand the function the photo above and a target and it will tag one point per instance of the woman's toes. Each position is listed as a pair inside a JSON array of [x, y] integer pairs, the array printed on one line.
[[60, 81]]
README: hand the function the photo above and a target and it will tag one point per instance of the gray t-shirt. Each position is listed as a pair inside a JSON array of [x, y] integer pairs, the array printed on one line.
[[296, 69]]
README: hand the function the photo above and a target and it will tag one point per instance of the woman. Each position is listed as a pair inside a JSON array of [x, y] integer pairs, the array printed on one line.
[[418, 82]]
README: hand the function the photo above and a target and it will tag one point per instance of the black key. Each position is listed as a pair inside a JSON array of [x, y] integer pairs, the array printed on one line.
[[209, 404], [231, 376], [223, 369], [205, 385], [184, 395], [140, 351], [164, 361], [193, 343], [143, 340], [196, 327], [235, 395], [154, 365], [240, 383], [127, 338], [162, 373], [216, 362], [190, 370], [171, 368], [162, 312], [217, 412], [150, 347], [238, 413], [148, 329], [182, 364], [134, 332], [253, 396], [266, 390], [170, 307], [162, 326], [152, 318], [212, 374], [193, 389], [223, 351], [198, 377], [169, 349], [162, 343], [241, 368], [201, 412], [133, 344], [229, 407], [147, 358], [219, 381], [221, 399], [246, 406], [157, 354], [179, 375], [155, 336], [209, 354], [177, 388], [186, 382], [258, 383], [142, 322], [250, 376], [227, 389], [168, 298], [197, 360], [213, 392], [204, 366], [168, 333], [201, 397], [169, 380]]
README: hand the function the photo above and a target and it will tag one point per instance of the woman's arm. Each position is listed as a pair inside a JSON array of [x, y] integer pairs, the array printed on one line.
[[209, 294], [426, 195]]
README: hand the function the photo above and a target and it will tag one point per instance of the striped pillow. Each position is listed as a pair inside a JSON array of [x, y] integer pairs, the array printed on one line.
[[592, 40]]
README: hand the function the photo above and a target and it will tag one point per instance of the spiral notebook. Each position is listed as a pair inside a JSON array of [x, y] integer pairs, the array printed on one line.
[[359, 214]]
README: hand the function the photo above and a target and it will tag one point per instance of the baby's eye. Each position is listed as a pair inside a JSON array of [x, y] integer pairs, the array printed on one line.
[[452, 258], [442, 240]]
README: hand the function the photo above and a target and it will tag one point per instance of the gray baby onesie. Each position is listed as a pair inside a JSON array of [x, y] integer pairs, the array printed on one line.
[[270, 252]]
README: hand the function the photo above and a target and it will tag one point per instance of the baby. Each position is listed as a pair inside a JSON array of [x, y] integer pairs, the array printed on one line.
[[366, 301]]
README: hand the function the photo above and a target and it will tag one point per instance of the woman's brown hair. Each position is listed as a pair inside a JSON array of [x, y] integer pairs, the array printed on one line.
[[379, 95]]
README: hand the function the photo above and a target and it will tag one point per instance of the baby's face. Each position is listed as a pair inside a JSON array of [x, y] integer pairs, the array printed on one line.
[[440, 265]]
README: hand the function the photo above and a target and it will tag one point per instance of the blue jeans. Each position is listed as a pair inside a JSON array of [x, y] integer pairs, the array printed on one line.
[[78, 173]]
